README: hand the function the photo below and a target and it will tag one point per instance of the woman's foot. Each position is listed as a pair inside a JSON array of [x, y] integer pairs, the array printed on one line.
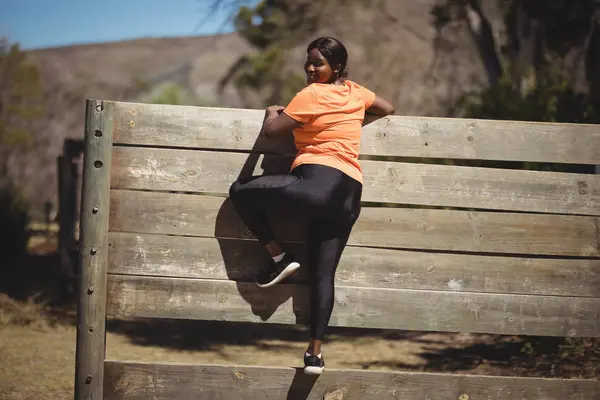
[[313, 364], [277, 271]]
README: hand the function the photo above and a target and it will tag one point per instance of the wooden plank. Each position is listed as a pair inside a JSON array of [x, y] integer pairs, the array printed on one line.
[[150, 297], [220, 128], [93, 248], [390, 182], [449, 230], [240, 260], [136, 380]]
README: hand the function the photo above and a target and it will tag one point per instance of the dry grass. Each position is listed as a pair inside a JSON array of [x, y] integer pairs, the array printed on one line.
[[37, 349], [36, 363], [37, 358], [38, 352]]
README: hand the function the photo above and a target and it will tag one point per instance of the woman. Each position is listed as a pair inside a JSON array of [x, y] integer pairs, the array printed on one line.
[[324, 183]]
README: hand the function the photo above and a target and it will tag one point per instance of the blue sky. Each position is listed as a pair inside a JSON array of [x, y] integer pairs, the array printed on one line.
[[49, 23]]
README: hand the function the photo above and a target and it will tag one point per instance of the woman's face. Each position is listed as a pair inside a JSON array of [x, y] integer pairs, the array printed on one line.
[[317, 68]]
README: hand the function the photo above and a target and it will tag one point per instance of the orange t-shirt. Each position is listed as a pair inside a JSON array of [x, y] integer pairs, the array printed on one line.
[[332, 117]]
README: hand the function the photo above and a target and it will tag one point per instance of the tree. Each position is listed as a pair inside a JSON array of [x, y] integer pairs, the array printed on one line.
[[20, 106], [543, 64], [272, 27], [549, 64], [536, 73]]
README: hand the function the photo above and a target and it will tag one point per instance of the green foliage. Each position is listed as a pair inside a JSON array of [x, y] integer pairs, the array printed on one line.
[[20, 97], [261, 67], [20, 107], [172, 94], [277, 22], [551, 97], [273, 27], [13, 229], [263, 73], [177, 95], [567, 23], [536, 83]]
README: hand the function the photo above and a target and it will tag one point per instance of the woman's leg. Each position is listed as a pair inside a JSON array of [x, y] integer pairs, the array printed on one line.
[[327, 238], [310, 189], [252, 198], [325, 246], [307, 190], [255, 197]]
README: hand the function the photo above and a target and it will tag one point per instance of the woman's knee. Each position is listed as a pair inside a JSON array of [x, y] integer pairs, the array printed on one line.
[[235, 189]]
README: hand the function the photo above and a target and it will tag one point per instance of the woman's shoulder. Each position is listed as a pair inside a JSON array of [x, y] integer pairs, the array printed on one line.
[[318, 90], [322, 88], [307, 92], [353, 84], [308, 88]]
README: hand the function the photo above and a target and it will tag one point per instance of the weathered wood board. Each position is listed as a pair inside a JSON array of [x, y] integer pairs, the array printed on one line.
[[389, 182], [407, 136], [448, 230], [240, 260], [220, 300], [141, 381]]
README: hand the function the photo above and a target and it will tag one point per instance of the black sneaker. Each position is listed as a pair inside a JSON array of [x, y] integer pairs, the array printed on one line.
[[313, 365], [277, 272]]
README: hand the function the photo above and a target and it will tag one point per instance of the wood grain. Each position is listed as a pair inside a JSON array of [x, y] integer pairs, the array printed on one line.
[[221, 128], [389, 182], [93, 249], [449, 230], [240, 260], [141, 381], [153, 297]]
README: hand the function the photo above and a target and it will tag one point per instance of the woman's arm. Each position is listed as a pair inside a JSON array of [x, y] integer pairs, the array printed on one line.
[[381, 107], [277, 123]]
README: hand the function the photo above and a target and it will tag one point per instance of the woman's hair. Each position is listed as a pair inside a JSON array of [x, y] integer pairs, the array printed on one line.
[[334, 52]]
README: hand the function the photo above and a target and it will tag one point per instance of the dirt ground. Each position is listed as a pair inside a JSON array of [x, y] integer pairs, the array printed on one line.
[[37, 346]]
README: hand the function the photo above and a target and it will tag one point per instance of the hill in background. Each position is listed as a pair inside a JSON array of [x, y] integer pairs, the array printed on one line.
[[394, 50]]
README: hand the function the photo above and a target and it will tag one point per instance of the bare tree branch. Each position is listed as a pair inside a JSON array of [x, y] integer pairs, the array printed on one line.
[[216, 6], [481, 32]]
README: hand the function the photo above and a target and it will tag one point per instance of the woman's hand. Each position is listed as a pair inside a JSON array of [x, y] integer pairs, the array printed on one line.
[[381, 107], [275, 109], [276, 122]]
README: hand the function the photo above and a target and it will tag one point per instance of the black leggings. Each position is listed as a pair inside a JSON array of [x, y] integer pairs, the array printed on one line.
[[329, 199]]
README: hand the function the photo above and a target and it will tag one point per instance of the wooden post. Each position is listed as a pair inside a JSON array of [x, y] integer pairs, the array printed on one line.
[[67, 213], [91, 307]]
